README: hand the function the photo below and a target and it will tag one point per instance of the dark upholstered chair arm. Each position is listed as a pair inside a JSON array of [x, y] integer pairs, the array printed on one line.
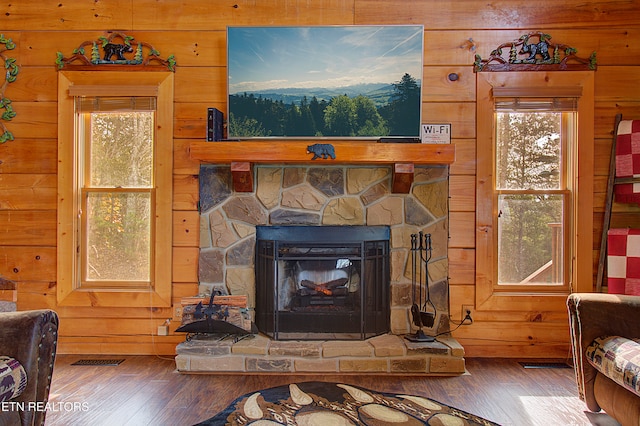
[[593, 315], [31, 338]]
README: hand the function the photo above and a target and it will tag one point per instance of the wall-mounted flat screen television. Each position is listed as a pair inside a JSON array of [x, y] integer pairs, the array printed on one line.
[[360, 81]]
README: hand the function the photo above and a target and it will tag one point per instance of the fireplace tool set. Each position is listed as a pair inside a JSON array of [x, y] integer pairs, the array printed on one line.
[[423, 311]]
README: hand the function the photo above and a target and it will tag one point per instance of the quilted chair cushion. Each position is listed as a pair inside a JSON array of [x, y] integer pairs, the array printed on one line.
[[618, 358], [13, 378]]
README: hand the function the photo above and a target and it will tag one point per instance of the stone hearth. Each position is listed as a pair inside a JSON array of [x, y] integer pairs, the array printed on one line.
[[386, 354]]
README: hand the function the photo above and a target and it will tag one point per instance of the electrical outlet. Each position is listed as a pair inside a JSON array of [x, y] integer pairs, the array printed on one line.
[[466, 309], [163, 330], [177, 313]]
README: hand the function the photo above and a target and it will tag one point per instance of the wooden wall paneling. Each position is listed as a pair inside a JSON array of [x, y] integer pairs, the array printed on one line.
[[34, 84], [27, 191], [203, 15], [182, 162], [497, 14], [462, 229], [36, 156], [28, 227], [185, 289], [207, 48], [34, 120], [185, 192], [186, 228], [461, 116], [462, 266], [617, 83], [143, 345], [201, 84], [438, 87], [462, 193], [28, 263], [36, 295], [191, 48], [190, 120], [465, 163], [185, 264], [602, 152], [613, 46], [53, 16]]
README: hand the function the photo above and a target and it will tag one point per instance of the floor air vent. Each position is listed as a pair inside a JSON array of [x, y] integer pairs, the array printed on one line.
[[98, 362], [545, 365]]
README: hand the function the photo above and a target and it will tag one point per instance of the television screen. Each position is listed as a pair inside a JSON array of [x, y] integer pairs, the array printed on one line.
[[324, 81]]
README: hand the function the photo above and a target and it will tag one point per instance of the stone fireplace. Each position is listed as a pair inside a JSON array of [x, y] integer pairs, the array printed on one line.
[[278, 187], [323, 196]]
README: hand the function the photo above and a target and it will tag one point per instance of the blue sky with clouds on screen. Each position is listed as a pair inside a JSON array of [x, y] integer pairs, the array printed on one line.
[[262, 58]]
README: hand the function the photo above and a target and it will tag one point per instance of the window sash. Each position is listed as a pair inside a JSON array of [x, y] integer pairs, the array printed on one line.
[[84, 107], [567, 121]]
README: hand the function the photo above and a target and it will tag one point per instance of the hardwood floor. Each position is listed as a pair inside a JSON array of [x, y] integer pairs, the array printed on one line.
[[147, 390]]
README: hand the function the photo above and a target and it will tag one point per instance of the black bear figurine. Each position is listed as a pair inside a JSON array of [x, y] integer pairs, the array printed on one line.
[[111, 49], [323, 150]]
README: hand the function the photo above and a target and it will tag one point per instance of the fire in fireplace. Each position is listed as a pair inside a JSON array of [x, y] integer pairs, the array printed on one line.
[[322, 282]]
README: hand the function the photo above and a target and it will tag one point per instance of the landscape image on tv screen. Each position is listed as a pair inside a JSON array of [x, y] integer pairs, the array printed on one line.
[[324, 82]]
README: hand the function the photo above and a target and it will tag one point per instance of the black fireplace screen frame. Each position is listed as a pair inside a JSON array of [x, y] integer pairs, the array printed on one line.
[[368, 309]]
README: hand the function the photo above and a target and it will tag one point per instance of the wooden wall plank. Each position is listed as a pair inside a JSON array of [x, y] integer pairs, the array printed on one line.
[[44, 16], [203, 15], [185, 262], [186, 228], [462, 193], [34, 120], [190, 48], [462, 228], [29, 156], [26, 191], [444, 14], [613, 46], [462, 266], [182, 162], [28, 263], [465, 163], [438, 87], [29, 228], [461, 116], [185, 192], [208, 84]]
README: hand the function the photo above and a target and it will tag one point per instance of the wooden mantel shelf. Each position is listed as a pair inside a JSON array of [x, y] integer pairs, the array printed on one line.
[[346, 152], [403, 157]]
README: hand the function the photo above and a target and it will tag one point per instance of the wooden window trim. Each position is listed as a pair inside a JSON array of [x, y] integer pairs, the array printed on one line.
[[581, 185], [117, 83]]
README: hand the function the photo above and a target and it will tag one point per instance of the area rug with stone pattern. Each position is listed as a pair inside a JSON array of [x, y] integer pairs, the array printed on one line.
[[336, 404]]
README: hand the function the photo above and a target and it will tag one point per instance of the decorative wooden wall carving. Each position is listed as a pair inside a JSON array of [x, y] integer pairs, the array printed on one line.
[[115, 48], [534, 52]]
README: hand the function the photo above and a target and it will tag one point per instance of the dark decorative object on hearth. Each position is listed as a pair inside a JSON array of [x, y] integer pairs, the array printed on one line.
[[212, 319], [423, 311]]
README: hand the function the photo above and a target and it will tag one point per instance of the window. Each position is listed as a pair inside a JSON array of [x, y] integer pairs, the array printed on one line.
[[531, 193], [115, 153], [534, 188], [116, 139]]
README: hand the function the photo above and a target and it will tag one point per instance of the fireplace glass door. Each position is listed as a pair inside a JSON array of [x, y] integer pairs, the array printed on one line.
[[317, 283]]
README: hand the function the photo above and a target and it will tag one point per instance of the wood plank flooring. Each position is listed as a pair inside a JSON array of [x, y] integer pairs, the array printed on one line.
[[147, 390]]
